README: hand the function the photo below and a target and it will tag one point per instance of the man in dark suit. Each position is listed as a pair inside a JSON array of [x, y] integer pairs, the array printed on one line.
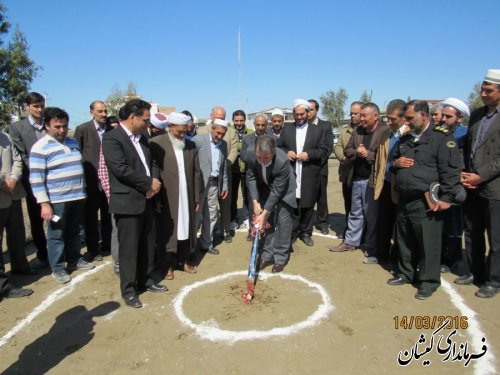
[[89, 137], [271, 185], [133, 183], [482, 180], [24, 135], [248, 144], [306, 149], [322, 202]]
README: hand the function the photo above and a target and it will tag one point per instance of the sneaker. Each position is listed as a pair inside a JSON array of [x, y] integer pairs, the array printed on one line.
[[62, 277], [80, 265], [370, 260]]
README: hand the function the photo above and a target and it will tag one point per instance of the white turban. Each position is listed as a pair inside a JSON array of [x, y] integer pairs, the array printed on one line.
[[301, 103], [493, 76], [277, 112], [176, 118], [159, 120], [459, 105], [220, 122]]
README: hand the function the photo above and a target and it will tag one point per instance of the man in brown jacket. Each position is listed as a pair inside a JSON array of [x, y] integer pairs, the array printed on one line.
[[177, 160], [345, 135], [361, 150]]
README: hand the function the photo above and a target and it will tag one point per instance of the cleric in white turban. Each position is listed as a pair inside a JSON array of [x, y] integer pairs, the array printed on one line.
[[177, 118], [302, 103], [158, 125], [459, 105]]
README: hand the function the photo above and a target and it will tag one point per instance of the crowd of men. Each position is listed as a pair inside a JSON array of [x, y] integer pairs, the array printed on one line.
[[142, 185]]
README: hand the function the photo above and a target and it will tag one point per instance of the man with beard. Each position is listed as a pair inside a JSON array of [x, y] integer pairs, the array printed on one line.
[[179, 197], [306, 149], [277, 121]]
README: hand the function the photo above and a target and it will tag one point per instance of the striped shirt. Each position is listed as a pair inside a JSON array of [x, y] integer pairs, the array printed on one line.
[[56, 171]]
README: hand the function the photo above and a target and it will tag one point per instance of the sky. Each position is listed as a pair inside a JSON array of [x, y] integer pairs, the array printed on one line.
[[185, 53]]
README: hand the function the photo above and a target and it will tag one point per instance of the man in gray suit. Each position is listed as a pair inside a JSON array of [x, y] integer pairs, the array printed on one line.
[[212, 153], [482, 180], [271, 184], [11, 213], [25, 134]]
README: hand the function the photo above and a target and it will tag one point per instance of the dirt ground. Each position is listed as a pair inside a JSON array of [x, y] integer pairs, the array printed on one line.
[[84, 328]]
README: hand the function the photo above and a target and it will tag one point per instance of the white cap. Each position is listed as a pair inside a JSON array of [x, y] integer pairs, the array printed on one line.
[[301, 103], [176, 118], [277, 112], [159, 120], [220, 122], [493, 76], [459, 105]]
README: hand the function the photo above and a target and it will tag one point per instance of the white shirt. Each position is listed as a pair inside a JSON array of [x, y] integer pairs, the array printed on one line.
[[183, 210], [300, 138], [135, 141], [99, 129], [214, 147]]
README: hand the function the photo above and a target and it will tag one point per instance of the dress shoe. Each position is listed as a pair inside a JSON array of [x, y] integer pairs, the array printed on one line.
[[444, 268], [212, 250], [170, 274], [423, 293], [464, 280], [294, 238], [17, 293], [249, 237], [133, 301], [324, 230], [232, 232], [156, 288], [370, 260], [278, 268], [486, 291], [397, 281], [189, 269], [306, 238], [228, 238], [41, 263], [264, 263], [340, 236], [342, 247], [26, 272]]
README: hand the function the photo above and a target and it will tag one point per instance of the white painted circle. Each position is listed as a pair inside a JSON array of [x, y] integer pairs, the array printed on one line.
[[210, 331]]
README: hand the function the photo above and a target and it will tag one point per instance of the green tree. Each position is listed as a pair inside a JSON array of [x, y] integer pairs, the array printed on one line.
[[333, 105], [17, 70], [365, 97], [474, 101]]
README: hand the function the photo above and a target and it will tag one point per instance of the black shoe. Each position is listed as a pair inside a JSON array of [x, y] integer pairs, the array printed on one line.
[[486, 291], [397, 281], [157, 288], [17, 293], [423, 293], [340, 236], [133, 301], [324, 230], [249, 237], [41, 263], [232, 233], [444, 268], [464, 280], [264, 263], [294, 238], [26, 272], [228, 238], [306, 238], [212, 250], [278, 268]]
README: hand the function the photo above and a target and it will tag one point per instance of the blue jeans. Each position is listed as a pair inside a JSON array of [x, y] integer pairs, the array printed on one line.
[[63, 237]]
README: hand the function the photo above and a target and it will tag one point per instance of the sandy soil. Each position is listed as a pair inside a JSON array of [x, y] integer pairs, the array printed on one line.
[[88, 330]]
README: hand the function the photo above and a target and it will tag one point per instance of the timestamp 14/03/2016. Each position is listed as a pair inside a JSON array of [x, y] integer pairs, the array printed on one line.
[[430, 322]]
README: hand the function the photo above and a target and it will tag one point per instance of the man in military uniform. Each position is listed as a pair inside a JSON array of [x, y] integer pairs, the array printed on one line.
[[426, 155]]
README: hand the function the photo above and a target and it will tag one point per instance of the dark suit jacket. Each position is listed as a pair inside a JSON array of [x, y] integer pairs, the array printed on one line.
[[23, 136], [486, 160], [90, 144], [129, 182], [317, 150], [247, 144], [326, 128], [280, 178], [164, 155]]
